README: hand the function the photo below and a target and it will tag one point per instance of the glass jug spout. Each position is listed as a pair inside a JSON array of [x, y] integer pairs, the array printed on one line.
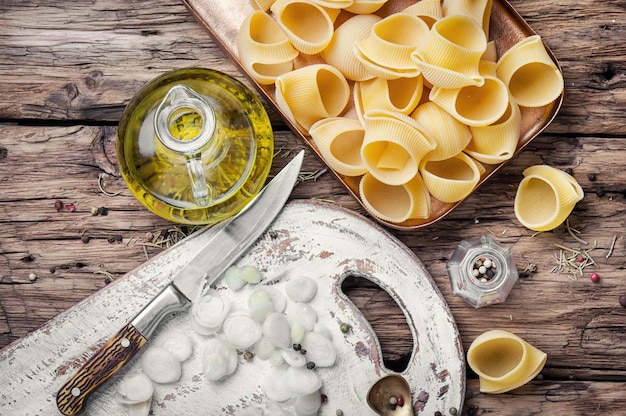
[[185, 123]]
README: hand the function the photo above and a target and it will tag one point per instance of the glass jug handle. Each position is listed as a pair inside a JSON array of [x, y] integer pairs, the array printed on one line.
[[182, 102]]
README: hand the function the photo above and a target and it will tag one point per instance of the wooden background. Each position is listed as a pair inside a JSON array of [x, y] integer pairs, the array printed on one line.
[[67, 71]]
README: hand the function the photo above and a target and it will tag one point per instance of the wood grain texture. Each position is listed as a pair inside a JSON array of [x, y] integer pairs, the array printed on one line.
[[67, 71]]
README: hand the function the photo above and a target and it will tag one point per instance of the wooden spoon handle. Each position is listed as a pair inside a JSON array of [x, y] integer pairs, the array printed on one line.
[[109, 359]]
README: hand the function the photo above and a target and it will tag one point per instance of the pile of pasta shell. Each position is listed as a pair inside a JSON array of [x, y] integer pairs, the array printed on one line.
[[434, 103]]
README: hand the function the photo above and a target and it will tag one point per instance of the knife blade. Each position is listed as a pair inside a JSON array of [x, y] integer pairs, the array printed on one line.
[[219, 253]]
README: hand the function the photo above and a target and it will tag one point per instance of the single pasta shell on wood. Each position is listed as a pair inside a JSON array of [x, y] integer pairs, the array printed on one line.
[[532, 77], [545, 197], [339, 140], [452, 179], [399, 95], [395, 203], [450, 135], [365, 6], [339, 53], [311, 93], [427, 10], [504, 361], [451, 53], [263, 48], [393, 146], [308, 26], [497, 142]]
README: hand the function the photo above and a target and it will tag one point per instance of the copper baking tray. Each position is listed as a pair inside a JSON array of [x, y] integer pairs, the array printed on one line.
[[222, 18]]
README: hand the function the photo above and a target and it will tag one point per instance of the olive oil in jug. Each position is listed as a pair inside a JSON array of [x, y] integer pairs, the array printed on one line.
[[195, 146]]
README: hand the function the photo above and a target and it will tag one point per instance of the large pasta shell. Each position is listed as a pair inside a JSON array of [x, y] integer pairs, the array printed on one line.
[[504, 361], [339, 140], [365, 6], [427, 10], [479, 10], [449, 134], [399, 95], [393, 146], [311, 93], [395, 203], [308, 25], [386, 52], [545, 197], [531, 76], [452, 179], [474, 105], [339, 53], [263, 48], [451, 54], [497, 142]]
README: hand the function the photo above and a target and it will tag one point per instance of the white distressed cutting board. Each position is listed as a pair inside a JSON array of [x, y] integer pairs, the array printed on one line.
[[314, 239]]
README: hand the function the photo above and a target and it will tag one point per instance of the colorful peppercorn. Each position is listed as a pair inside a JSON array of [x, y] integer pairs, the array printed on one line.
[[393, 402], [594, 277], [484, 269]]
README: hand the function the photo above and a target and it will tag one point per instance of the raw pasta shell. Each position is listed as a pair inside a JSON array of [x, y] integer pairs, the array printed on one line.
[[474, 105], [531, 76], [379, 71], [393, 146], [545, 197], [478, 10], [400, 95], [428, 10], [395, 203], [365, 6], [334, 4], [497, 142], [452, 179], [308, 26], [263, 5], [311, 93], [450, 135], [392, 40], [504, 361], [451, 54], [566, 186], [264, 50], [339, 53], [339, 140]]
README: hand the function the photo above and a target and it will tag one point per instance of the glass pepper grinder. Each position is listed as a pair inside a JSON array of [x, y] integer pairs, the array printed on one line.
[[482, 271]]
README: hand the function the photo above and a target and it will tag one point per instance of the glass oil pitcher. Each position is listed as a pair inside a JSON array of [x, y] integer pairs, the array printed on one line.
[[195, 146]]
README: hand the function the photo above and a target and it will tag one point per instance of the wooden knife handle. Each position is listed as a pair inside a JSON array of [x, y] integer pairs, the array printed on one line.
[[109, 359]]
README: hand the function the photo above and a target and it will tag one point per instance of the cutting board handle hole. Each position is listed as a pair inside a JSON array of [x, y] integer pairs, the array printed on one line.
[[389, 323]]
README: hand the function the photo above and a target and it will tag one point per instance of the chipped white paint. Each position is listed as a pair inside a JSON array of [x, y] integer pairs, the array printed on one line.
[[313, 239]]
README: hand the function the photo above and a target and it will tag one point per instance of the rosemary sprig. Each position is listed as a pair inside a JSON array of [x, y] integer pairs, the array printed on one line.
[[573, 261]]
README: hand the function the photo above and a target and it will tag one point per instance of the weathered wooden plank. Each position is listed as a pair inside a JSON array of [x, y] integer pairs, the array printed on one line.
[[104, 67], [580, 398]]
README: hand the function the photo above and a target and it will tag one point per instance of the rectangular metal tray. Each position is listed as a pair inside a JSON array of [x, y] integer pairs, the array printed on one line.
[[223, 18]]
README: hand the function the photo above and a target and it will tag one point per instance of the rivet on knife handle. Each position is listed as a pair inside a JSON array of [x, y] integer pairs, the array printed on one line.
[[102, 366]]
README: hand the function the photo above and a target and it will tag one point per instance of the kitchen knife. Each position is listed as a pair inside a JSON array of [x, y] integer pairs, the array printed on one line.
[[219, 253]]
